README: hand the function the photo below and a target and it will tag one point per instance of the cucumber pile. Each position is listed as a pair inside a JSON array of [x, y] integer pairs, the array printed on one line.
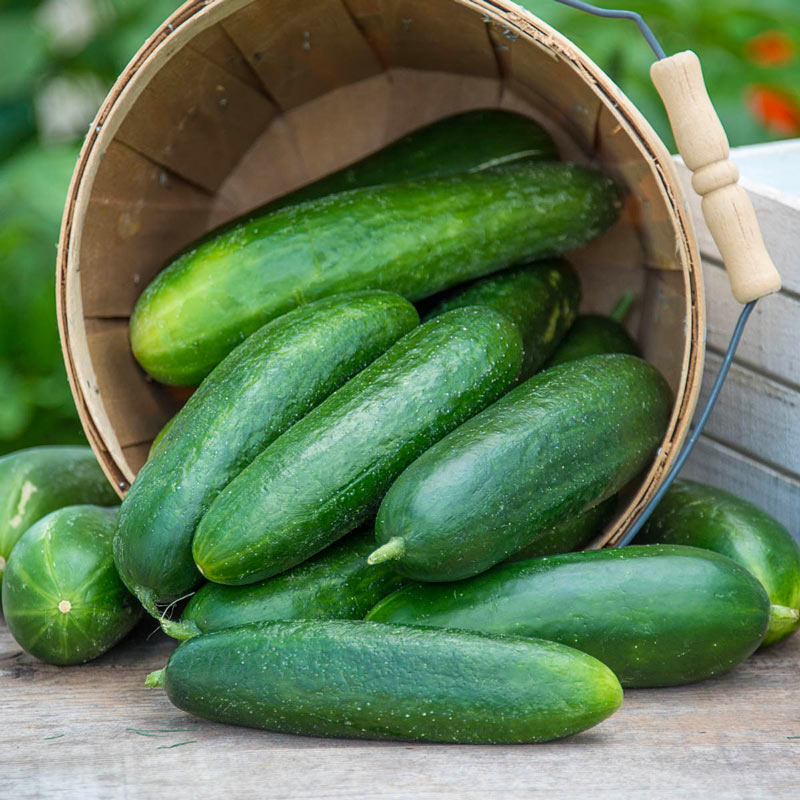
[[375, 517]]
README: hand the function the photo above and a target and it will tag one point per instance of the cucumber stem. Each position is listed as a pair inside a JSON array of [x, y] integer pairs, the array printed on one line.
[[155, 679], [181, 630], [147, 599], [782, 622], [394, 548], [623, 306]]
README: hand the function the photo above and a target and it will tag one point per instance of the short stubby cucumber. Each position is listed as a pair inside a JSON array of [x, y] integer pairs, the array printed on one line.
[[263, 387], [656, 615], [39, 480], [555, 446], [336, 584], [694, 514], [362, 680], [541, 299], [414, 238], [62, 598], [571, 534], [327, 474]]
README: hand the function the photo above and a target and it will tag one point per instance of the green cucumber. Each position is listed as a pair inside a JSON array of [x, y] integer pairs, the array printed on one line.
[[336, 584], [39, 480], [414, 238], [260, 390], [657, 615], [465, 142], [541, 299], [362, 680], [555, 446], [703, 516], [62, 598], [571, 534], [327, 474], [592, 334]]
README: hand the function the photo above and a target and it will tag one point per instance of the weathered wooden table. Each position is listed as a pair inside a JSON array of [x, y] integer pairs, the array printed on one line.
[[95, 731]]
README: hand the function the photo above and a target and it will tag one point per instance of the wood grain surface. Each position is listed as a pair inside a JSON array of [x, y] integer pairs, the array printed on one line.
[[95, 732]]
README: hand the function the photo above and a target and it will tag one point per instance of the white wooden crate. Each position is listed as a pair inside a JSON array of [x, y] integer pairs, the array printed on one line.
[[751, 444]]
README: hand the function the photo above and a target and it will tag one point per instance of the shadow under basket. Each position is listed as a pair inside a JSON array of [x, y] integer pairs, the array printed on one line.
[[234, 102]]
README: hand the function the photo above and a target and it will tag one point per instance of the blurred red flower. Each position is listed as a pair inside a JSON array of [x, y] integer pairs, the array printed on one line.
[[777, 110], [770, 49]]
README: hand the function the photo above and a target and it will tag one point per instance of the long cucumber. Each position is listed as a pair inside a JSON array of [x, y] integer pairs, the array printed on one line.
[[658, 615], [363, 680], [414, 238]]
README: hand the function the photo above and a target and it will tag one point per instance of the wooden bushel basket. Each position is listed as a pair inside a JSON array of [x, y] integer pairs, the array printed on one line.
[[234, 102]]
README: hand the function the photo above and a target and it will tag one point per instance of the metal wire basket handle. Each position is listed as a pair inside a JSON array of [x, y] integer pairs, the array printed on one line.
[[727, 209]]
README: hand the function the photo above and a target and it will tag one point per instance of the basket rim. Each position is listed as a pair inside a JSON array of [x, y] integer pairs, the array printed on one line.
[[193, 16]]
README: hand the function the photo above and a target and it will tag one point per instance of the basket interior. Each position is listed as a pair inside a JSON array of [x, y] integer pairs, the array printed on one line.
[[234, 103]]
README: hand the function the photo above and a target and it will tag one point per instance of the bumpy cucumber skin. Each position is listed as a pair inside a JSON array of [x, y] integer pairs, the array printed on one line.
[[414, 238], [62, 598], [336, 584], [264, 386], [327, 474], [554, 446], [657, 615], [591, 335], [571, 534], [159, 437], [704, 516], [541, 299], [362, 680], [39, 480]]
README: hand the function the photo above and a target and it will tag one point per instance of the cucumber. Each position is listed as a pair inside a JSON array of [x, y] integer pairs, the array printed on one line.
[[39, 480], [62, 598], [555, 446], [263, 387], [541, 299], [362, 680], [703, 516], [592, 334], [465, 142], [657, 615], [336, 584], [414, 238], [327, 474], [571, 534]]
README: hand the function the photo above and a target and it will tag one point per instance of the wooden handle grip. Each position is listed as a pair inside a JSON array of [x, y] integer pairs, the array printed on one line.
[[703, 145]]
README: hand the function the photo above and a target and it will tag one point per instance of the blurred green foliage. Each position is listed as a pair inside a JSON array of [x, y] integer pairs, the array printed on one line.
[[721, 33], [80, 46], [43, 42]]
